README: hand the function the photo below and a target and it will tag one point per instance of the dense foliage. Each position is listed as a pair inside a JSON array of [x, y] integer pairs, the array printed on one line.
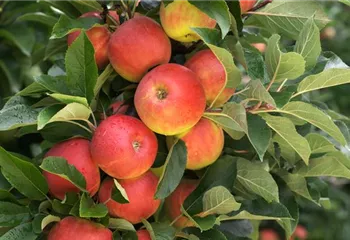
[[285, 160]]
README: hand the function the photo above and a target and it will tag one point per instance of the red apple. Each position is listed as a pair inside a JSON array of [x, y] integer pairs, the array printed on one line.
[[268, 234], [98, 36], [260, 46], [176, 199], [123, 147], [170, 99], [179, 16], [212, 78], [300, 233], [140, 192], [77, 153], [143, 235], [138, 45], [246, 5], [204, 143], [118, 107], [72, 228]]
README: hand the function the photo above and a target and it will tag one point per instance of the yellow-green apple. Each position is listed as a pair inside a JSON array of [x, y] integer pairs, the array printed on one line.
[[268, 234], [300, 233], [98, 36], [123, 147], [73, 227], [179, 16], [204, 143], [246, 5], [77, 153], [170, 99], [260, 46], [143, 235], [136, 46], [212, 78], [140, 192], [176, 199]]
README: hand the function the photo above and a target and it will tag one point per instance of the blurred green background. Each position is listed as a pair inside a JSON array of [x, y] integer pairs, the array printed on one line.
[[26, 51]]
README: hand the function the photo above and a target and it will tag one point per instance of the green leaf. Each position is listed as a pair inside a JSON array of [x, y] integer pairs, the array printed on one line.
[[211, 234], [38, 17], [67, 25], [221, 173], [12, 214], [16, 113], [333, 164], [289, 225], [67, 99], [256, 66], [55, 113], [121, 224], [282, 98], [55, 46], [296, 183], [257, 91], [21, 232], [118, 193], [203, 223], [55, 84], [286, 130], [314, 116], [219, 200], [309, 44], [20, 35], [87, 6], [103, 77], [233, 75], [160, 231], [288, 17], [60, 167], [258, 210], [259, 134], [286, 150], [328, 78], [49, 219], [282, 66], [237, 113], [24, 176], [319, 144], [347, 2], [88, 209], [174, 169], [6, 196], [256, 179], [217, 10], [81, 68], [236, 228]]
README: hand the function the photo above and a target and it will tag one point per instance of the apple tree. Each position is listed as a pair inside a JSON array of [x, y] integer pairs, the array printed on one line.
[[167, 120]]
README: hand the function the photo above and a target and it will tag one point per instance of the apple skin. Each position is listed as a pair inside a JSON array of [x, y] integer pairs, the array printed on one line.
[[176, 199], [246, 5], [170, 99], [143, 235], [77, 153], [260, 46], [118, 107], [212, 78], [136, 46], [300, 233], [99, 38], [140, 192], [204, 143], [268, 234], [179, 16], [72, 227], [123, 147]]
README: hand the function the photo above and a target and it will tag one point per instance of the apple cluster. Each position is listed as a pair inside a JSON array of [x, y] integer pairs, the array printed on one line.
[[170, 100]]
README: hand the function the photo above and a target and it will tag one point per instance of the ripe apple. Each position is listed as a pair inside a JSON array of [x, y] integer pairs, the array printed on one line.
[[179, 16], [118, 107], [73, 227], [170, 99], [260, 46], [300, 233], [143, 235], [136, 46], [204, 143], [176, 199], [212, 78], [123, 147], [268, 234], [140, 192], [98, 36], [328, 33], [246, 5], [77, 153]]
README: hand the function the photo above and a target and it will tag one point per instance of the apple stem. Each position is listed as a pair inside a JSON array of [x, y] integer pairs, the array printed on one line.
[[136, 145]]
